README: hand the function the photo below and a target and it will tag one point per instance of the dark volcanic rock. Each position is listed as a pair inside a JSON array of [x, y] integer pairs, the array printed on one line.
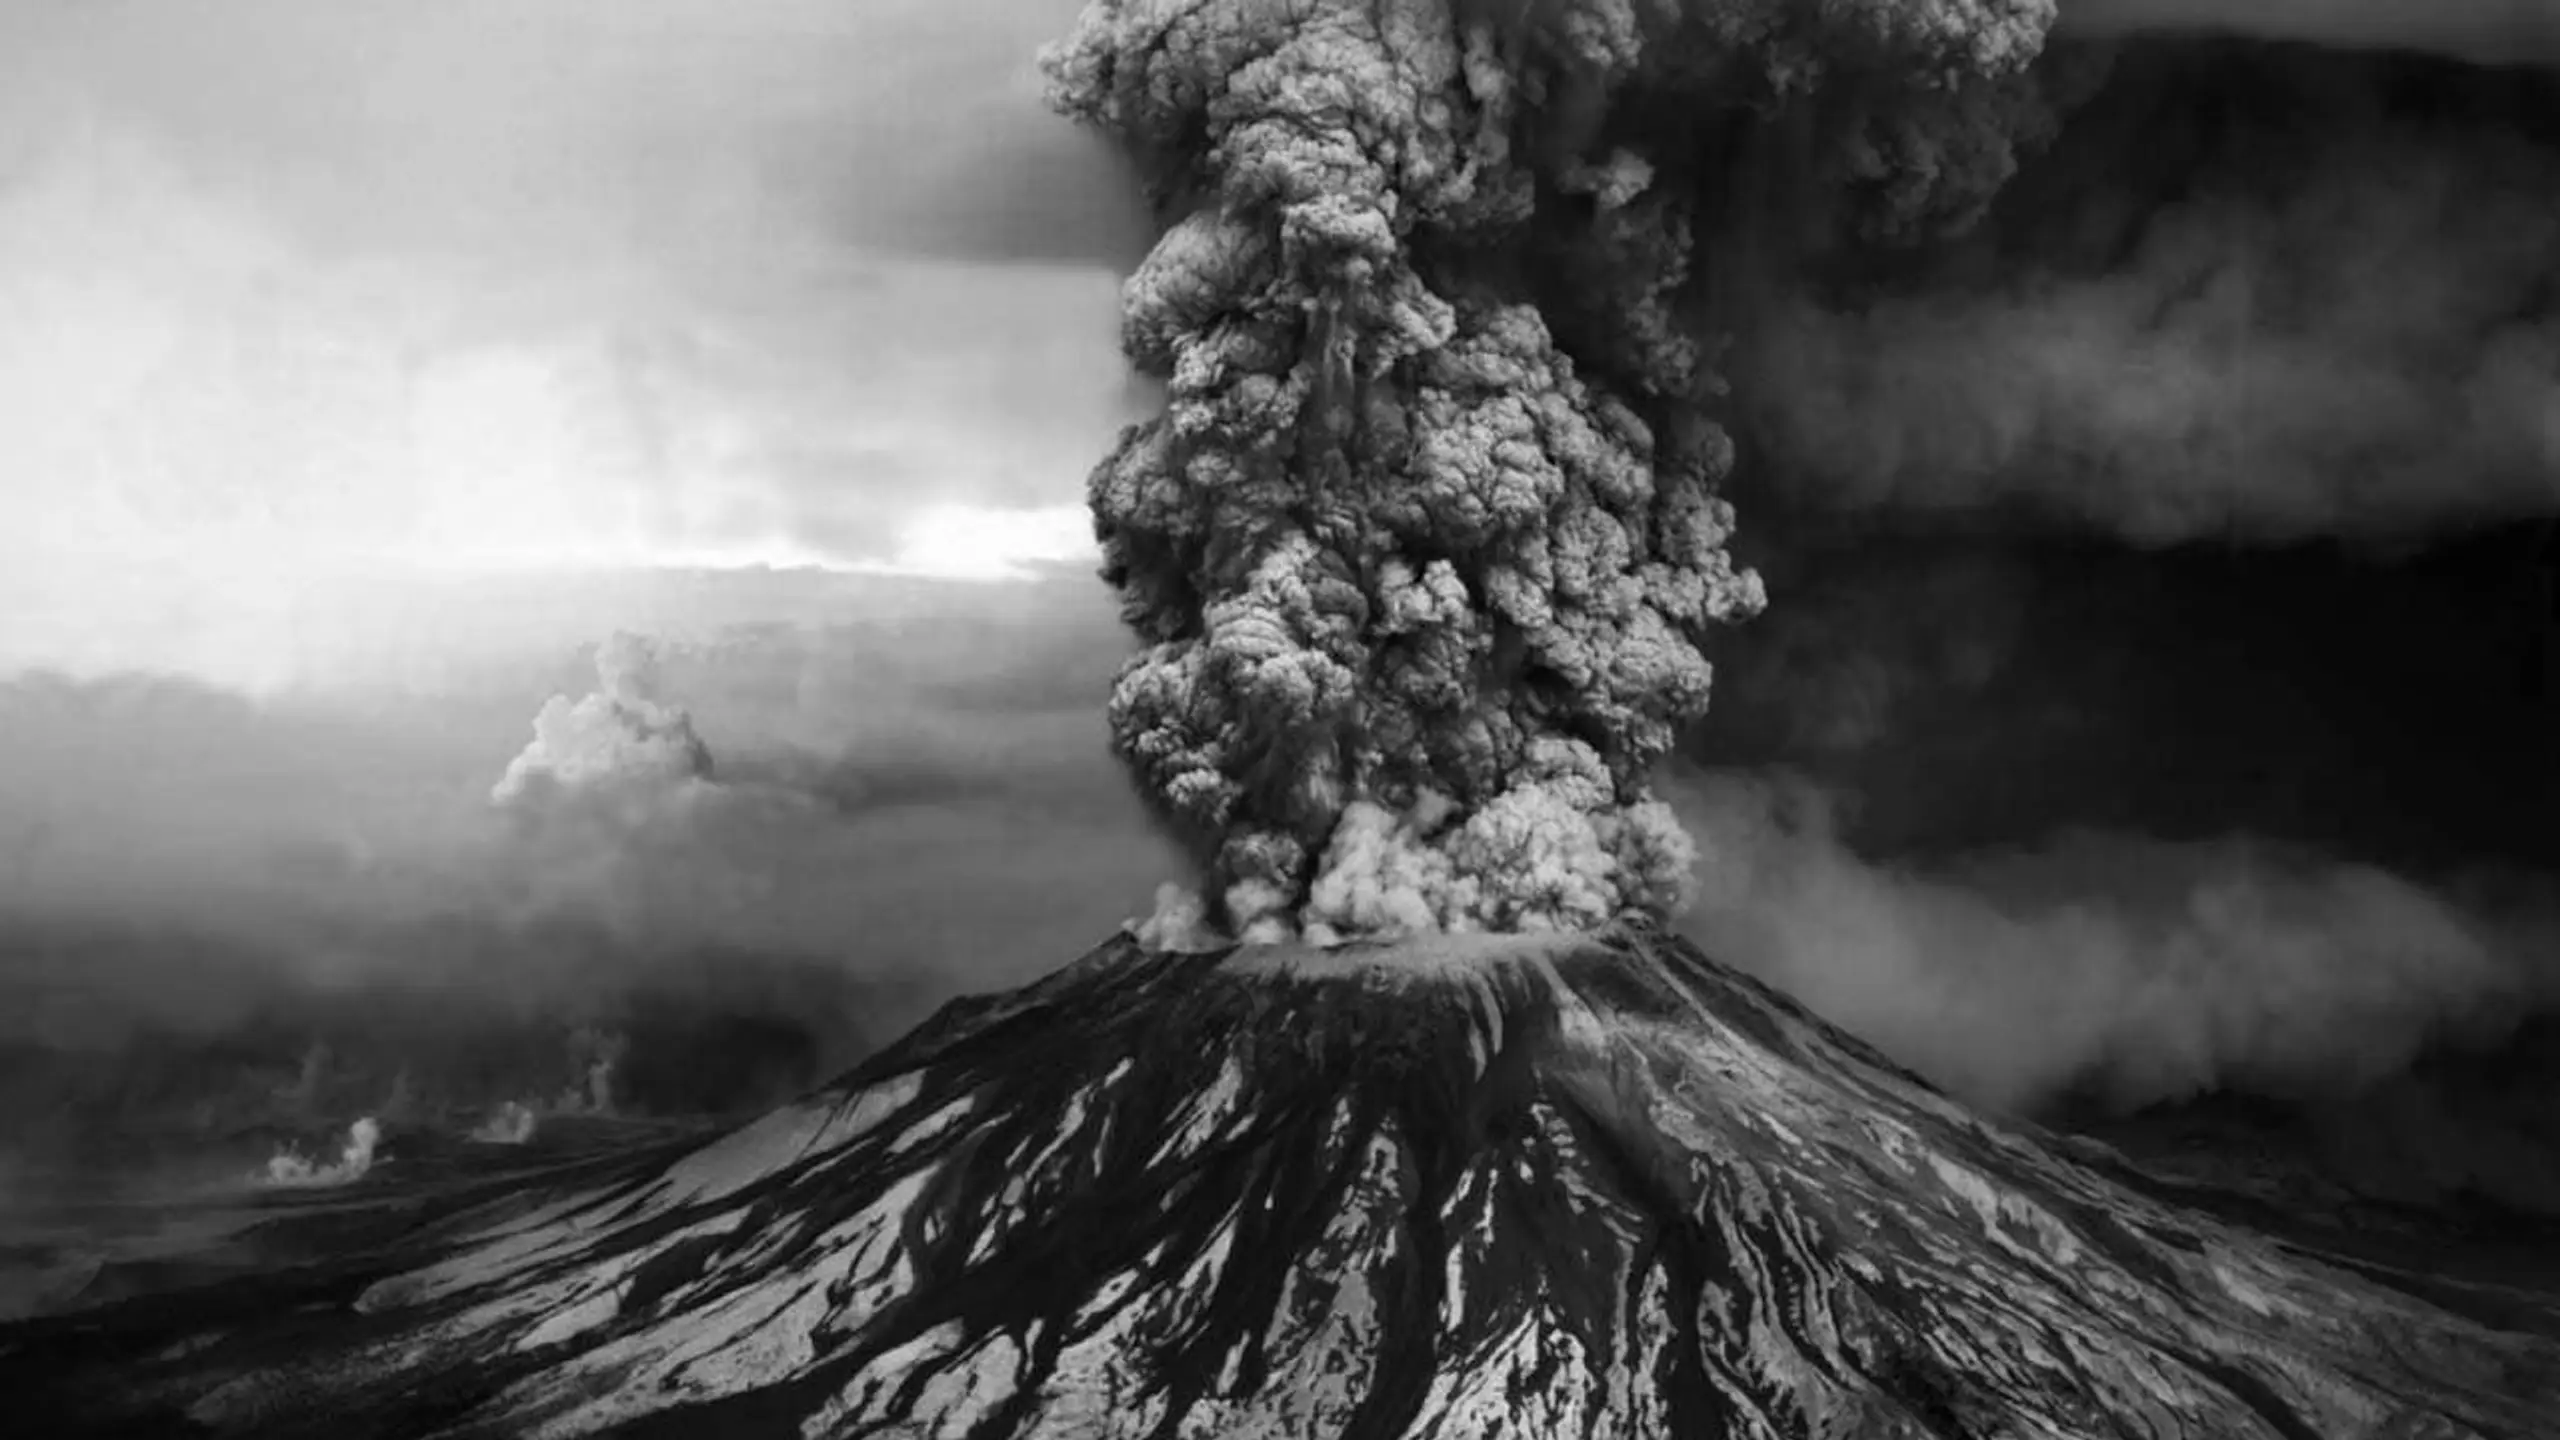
[[1581, 1186]]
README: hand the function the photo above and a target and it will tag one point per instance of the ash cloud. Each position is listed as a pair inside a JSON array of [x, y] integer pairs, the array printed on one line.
[[2250, 294], [1425, 544]]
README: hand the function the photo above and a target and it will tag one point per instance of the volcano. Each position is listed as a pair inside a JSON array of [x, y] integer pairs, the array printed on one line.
[[1464, 1186]]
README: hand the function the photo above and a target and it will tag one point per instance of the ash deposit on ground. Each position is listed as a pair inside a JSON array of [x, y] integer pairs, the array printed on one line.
[[1848, 710]]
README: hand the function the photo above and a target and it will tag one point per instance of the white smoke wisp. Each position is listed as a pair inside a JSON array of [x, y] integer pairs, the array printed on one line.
[[289, 1168], [595, 1054], [614, 809], [1179, 922], [2110, 968], [513, 1122]]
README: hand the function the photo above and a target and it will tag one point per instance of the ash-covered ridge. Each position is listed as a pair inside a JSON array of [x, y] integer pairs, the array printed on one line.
[[1592, 1185]]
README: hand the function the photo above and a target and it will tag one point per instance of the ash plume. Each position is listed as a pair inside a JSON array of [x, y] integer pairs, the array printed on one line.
[[1425, 544]]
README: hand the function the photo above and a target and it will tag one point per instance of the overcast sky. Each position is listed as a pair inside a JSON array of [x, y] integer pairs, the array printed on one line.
[[364, 362], [306, 296], [304, 301]]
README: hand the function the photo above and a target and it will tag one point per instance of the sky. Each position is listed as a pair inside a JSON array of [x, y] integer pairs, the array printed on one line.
[[364, 366], [313, 299]]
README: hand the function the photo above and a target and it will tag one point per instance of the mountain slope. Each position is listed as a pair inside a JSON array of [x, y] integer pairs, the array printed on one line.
[[1529, 1186]]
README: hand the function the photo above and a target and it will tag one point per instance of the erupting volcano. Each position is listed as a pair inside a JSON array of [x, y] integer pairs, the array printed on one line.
[[1413, 1116], [1464, 1186]]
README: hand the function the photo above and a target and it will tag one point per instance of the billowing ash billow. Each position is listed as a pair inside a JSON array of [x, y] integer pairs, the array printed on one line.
[[1424, 545]]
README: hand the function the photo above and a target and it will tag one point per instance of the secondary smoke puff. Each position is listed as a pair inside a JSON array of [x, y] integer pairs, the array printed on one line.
[[615, 810], [1423, 545], [2125, 970], [289, 1167], [620, 735], [2343, 326]]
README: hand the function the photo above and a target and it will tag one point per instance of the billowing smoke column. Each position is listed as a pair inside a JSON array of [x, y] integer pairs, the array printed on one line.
[[1424, 546]]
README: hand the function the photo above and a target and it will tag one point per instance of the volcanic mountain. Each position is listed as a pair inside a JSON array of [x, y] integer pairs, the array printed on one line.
[[1554, 1185]]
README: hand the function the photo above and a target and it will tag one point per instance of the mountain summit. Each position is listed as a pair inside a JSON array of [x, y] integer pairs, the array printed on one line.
[[1562, 1185]]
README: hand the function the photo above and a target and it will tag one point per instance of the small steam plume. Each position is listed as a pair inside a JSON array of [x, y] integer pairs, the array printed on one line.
[[1424, 545], [619, 736], [290, 1168], [595, 1054], [511, 1123], [303, 1095]]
